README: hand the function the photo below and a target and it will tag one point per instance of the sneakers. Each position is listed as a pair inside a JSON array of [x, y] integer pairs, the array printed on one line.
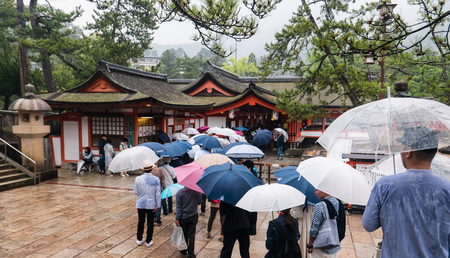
[[127, 175], [202, 214], [159, 222], [208, 235], [139, 242], [149, 244], [124, 176]]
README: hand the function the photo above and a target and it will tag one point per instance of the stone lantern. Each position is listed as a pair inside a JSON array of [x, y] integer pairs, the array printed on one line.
[[31, 128]]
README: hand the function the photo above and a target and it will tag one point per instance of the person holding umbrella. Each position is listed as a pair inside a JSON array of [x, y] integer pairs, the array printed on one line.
[[187, 217], [148, 190], [413, 207], [280, 145], [159, 173], [101, 150], [275, 238]]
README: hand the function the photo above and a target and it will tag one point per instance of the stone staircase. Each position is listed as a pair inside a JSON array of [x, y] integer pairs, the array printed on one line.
[[11, 177]]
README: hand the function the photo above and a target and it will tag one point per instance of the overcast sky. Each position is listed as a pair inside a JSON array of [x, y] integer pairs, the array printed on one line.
[[180, 33]]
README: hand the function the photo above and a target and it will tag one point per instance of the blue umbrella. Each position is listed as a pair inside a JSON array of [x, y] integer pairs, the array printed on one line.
[[155, 146], [227, 182], [163, 136], [207, 141], [241, 128], [290, 176], [172, 151], [171, 190], [184, 144], [262, 137]]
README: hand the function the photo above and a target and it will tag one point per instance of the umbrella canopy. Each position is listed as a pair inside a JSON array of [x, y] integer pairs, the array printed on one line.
[[271, 197], [192, 152], [171, 190], [213, 159], [215, 130], [133, 158], [189, 174], [336, 178], [440, 166], [262, 137], [227, 182], [237, 132], [289, 176], [162, 135], [242, 150], [179, 136], [283, 132], [224, 142], [376, 126], [202, 128], [242, 128], [192, 139], [190, 131], [155, 146], [173, 150], [227, 132], [207, 141], [183, 145]]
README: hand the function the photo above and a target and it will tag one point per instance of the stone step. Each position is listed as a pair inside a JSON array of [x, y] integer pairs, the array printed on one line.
[[16, 183], [11, 177], [5, 166], [8, 171]]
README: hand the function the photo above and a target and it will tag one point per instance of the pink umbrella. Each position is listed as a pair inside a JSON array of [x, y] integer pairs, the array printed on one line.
[[189, 174], [238, 132], [202, 128]]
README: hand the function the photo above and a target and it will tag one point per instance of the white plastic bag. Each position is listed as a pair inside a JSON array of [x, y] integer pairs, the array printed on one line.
[[178, 240]]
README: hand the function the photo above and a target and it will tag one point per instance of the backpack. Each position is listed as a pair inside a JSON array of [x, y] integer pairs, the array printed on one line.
[[289, 248], [340, 218]]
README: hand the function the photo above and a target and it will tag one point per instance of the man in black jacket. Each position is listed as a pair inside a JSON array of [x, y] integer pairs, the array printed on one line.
[[101, 150], [236, 227]]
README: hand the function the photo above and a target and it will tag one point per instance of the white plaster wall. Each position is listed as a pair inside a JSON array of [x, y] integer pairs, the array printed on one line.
[[217, 121], [84, 131], [71, 143]]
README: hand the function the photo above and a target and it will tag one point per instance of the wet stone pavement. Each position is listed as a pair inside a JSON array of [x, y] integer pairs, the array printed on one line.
[[94, 215]]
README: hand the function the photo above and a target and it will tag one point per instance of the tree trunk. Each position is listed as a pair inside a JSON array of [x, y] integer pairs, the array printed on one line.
[[46, 66], [24, 69], [6, 103], [343, 80]]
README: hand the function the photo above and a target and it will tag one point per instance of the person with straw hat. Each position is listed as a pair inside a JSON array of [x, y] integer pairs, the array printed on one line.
[[147, 187]]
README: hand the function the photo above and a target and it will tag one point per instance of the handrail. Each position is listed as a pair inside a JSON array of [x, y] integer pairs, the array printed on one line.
[[22, 155]]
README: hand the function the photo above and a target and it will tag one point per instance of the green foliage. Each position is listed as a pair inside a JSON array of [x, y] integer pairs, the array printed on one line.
[[9, 71], [242, 67]]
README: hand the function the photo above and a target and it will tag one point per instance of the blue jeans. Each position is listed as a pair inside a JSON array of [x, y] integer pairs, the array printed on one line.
[[164, 205], [203, 204], [101, 163], [158, 214], [280, 152]]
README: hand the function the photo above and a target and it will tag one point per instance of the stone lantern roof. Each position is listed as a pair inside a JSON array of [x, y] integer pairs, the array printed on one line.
[[29, 102]]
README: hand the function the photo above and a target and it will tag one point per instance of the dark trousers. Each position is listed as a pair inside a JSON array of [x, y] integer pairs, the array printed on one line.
[[188, 225], [101, 163], [212, 217], [203, 205], [229, 238], [142, 213], [164, 204]]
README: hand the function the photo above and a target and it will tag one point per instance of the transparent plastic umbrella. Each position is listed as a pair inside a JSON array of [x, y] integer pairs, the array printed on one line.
[[213, 159], [271, 197], [336, 178], [133, 158], [189, 131], [243, 151], [283, 132], [180, 136], [440, 166], [376, 126]]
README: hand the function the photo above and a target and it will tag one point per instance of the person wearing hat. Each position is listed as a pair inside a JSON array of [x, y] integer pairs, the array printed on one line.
[[147, 187], [412, 208]]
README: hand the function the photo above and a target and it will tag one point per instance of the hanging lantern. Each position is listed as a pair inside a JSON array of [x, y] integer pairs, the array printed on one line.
[[275, 115], [231, 113], [248, 116]]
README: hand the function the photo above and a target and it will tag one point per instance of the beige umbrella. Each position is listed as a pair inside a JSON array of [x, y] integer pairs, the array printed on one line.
[[213, 159]]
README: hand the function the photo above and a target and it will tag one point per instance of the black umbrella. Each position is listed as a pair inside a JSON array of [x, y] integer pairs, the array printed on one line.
[[163, 136]]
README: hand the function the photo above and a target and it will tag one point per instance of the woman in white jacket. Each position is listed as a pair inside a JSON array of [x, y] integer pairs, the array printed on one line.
[[123, 146]]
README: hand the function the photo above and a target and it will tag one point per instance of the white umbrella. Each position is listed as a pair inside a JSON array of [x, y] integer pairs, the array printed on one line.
[[271, 197], [213, 159], [283, 132], [215, 130], [179, 137], [133, 158], [192, 151], [224, 142], [336, 178], [227, 132], [244, 151], [237, 138], [190, 131], [440, 166]]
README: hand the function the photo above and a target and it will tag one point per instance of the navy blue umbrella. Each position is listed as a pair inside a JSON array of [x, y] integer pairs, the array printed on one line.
[[290, 176], [227, 182], [184, 144], [262, 137], [155, 146], [163, 136], [172, 151], [207, 141]]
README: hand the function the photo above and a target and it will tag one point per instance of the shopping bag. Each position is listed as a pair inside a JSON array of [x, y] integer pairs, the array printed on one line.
[[328, 236], [178, 240]]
